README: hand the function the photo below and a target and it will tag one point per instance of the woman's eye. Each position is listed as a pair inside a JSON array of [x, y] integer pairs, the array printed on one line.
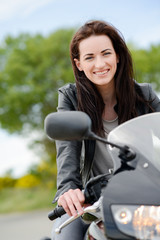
[[106, 53], [88, 58]]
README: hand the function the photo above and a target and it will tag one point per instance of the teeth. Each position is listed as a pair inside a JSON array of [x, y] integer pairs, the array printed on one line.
[[101, 73]]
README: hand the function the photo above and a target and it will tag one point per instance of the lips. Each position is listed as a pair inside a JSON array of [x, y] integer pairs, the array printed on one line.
[[100, 73]]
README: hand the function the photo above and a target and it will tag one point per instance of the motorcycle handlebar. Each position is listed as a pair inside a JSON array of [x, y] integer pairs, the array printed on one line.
[[92, 193], [55, 213]]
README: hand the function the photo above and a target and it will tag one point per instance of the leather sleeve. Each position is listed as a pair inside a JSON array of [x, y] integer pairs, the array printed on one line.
[[150, 96], [155, 99], [68, 152]]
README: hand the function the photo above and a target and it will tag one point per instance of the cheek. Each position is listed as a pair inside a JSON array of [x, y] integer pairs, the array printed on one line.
[[114, 63], [88, 72], [86, 68]]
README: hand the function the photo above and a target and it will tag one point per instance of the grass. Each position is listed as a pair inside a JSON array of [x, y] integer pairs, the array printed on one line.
[[21, 200]]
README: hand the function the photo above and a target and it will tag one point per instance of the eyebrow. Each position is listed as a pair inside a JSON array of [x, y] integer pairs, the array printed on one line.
[[91, 54], [88, 54], [105, 50]]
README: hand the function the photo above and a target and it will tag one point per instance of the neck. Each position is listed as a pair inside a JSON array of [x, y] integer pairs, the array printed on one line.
[[108, 94], [109, 98]]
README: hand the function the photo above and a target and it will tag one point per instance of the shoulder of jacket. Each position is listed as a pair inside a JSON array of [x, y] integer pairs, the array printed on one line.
[[145, 88], [68, 88], [68, 94]]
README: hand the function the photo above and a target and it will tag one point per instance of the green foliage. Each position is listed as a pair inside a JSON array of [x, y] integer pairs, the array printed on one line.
[[41, 175], [32, 69], [7, 182], [46, 171], [147, 63], [27, 181]]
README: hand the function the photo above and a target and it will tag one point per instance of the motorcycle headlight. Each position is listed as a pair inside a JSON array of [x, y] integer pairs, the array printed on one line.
[[142, 222]]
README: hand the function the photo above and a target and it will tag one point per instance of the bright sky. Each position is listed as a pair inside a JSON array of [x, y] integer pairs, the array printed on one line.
[[138, 20], [15, 155]]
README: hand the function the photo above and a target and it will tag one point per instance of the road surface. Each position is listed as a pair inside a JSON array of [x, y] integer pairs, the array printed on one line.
[[25, 226]]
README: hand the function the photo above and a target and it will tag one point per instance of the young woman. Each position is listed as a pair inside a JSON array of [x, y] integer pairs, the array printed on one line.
[[106, 90]]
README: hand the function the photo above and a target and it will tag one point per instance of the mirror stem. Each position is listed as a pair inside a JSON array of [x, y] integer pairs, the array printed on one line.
[[126, 154]]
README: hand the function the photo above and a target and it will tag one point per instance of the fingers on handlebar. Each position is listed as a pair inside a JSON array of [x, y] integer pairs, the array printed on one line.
[[72, 202]]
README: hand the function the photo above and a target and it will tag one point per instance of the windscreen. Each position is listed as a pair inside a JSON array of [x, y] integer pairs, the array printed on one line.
[[142, 134]]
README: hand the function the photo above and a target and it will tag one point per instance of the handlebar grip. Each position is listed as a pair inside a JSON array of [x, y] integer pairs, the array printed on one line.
[[55, 213]]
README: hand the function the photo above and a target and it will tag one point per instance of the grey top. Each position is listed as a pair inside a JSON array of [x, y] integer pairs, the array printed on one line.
[[102, 161]]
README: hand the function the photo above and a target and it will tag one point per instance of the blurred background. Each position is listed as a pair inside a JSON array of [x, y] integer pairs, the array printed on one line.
[[34, 63]]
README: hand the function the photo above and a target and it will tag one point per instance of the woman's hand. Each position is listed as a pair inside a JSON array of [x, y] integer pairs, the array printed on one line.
[[72, 201]]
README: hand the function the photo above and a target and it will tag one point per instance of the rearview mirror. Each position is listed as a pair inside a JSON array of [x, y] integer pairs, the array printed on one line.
[[68, 125]]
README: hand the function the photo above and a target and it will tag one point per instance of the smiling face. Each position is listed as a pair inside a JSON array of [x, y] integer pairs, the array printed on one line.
[[98, 59]]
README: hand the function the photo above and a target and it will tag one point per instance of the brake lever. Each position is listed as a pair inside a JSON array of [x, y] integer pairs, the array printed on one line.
[[90, 209]]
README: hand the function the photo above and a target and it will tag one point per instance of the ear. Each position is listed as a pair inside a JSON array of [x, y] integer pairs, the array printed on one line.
[[77, 62]]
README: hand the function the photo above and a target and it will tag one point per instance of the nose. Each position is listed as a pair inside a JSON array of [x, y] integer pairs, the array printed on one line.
[[99, 62]]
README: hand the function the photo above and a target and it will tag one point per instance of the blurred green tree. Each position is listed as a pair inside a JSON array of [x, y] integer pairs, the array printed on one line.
[[31, 71], [147, 65], [32, 68]]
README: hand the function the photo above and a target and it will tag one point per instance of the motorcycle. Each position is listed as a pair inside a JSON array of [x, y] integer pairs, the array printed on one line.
[[126, 203]]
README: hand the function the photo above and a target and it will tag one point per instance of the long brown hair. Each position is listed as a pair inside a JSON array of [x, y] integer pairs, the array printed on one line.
[[89, 99]]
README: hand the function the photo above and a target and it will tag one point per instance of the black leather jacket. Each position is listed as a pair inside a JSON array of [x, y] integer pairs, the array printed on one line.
[[74, 158]]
